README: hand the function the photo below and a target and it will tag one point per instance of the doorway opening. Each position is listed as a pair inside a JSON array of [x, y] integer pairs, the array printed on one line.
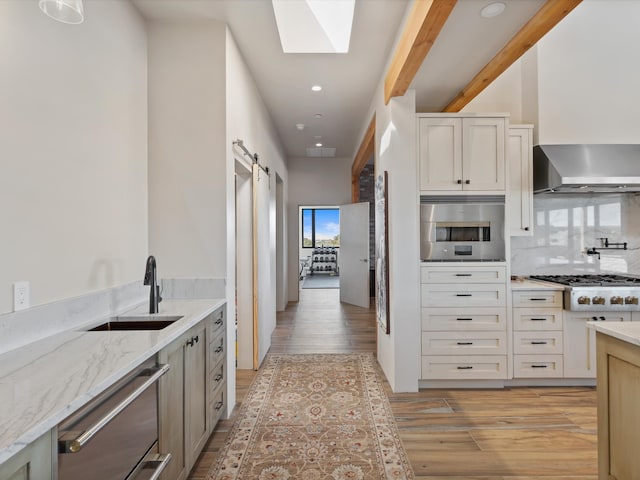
[[319, 247]]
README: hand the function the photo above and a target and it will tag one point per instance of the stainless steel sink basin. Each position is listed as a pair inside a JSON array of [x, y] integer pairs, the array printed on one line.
[[141, 322]]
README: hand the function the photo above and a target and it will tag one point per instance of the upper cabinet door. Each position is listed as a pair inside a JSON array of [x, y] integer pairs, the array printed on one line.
[[440, 153], [520, 155], [483, 154]]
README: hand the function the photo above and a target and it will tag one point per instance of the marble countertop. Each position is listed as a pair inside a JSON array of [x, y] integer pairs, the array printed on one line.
[[44, 382], [523, 283], [626, 331]]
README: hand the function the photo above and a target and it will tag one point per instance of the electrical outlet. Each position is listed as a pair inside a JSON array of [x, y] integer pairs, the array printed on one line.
[[20, 296]]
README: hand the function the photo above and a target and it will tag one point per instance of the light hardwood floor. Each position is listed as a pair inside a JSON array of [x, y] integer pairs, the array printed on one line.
[[511, 434]]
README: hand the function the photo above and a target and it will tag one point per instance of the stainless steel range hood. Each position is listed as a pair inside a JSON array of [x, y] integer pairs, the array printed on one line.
[[601, 168]]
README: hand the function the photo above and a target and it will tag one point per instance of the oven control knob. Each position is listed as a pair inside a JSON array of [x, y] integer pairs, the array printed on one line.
[[584, 300], [598, 300], [616, 300], [631, 300]]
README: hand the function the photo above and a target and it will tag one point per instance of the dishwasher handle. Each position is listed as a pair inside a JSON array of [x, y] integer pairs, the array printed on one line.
[[75, 444], [157, 460]]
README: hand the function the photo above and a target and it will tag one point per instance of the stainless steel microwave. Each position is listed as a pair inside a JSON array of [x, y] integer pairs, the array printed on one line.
[[462, 229]]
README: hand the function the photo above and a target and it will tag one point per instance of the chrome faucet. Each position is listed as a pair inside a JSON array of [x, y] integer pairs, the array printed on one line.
[[151, 279]]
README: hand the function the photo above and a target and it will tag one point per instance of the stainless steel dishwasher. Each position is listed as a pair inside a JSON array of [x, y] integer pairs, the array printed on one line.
[[115, 436]]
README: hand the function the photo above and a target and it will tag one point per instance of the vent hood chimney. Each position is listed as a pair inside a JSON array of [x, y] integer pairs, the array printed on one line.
[[595, 168]]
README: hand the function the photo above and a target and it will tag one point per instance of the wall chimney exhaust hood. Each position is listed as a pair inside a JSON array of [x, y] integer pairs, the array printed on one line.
[[594, 168]]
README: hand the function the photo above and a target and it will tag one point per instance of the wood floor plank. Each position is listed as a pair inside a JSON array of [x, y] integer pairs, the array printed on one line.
[[524, 433]]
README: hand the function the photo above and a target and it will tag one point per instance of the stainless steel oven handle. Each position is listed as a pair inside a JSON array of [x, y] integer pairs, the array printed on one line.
[[159, 459], [79, 442]]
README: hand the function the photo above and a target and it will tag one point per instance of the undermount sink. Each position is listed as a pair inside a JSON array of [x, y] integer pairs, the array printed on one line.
[[140, 322]]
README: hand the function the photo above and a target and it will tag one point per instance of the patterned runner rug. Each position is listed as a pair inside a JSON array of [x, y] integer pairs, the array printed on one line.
[[314, 417]]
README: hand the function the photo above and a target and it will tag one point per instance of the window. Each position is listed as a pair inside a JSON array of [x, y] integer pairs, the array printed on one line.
[[320, 227]]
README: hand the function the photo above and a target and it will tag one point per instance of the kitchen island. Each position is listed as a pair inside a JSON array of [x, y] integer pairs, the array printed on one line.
[[618, 380], [44, 382]]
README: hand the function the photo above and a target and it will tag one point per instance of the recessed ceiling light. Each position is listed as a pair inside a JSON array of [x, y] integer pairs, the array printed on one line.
[[492, 10], [300, 126], [316, 88], [318, 115], [318, 144]]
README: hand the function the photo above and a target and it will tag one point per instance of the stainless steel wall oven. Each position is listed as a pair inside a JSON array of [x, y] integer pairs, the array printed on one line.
[[462, 228]]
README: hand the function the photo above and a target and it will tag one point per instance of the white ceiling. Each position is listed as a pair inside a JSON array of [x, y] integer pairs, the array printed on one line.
[[466, 43]]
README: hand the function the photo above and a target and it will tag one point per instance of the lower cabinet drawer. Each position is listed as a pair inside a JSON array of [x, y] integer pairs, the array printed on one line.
[[471, 295], [470, 367], [533, 343], [478, 318], [464, 343], [538, 366], [217, 350], [217, 376], [537, 319], [217, 405]]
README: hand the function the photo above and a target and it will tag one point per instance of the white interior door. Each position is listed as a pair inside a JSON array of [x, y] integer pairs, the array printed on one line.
[[354, 254]]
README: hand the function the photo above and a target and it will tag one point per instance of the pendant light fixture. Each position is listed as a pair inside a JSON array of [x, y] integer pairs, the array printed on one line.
[[65, 11]]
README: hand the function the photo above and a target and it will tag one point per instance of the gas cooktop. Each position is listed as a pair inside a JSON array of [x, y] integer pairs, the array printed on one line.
[[590, 280], [598, 292]]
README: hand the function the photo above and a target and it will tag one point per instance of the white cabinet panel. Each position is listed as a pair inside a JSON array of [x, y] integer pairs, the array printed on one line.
[[462, 275], [487, 295], [532, 343], [528, 319], [537, 298], [469, 367], [464, 343], [441, 319], [537, 366]]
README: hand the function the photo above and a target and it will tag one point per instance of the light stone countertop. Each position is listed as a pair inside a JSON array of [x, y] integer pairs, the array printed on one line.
[[524, 283], [626, 331], [44, 382]]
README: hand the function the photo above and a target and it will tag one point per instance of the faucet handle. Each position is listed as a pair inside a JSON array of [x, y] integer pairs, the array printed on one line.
[[158, 293]]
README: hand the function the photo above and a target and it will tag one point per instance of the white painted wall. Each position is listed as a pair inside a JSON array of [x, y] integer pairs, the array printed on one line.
[[576, 86], [186, 148], [248, 119], [73, 150], [313, 182], [588, 75]]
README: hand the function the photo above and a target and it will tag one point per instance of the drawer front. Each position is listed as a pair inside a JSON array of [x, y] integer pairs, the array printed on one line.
[[464, 343], [469, 367], [217, 322], [448, 295], [217, 375], [537, 298], [439, 319], [494, 274], [217, 350], [528, 319], [535, 343], [538, 366], [217, 405]]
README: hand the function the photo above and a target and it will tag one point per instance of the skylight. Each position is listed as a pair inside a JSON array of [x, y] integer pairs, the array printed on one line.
[[314, 26]]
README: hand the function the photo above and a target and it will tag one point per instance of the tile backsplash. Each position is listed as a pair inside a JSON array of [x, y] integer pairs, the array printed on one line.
[[566, 225]]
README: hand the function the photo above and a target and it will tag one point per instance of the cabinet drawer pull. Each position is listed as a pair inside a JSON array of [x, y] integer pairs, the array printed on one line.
[[463, 294], [467, 182], [190, 342], [219, 405], [538, 319], [469, 367], [464, 319], [538, 343], [218, 321], [464, 274], [538, 299], [465, 343], [218, 377], [459, 182], [219, 349], [538, 366]]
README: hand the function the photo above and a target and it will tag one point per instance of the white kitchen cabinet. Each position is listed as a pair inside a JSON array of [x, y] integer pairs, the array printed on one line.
[[538, 339], [183, 394], [464, 327], [34, 462], [580, 341], [520, 197], [217, 366], [461, 154]]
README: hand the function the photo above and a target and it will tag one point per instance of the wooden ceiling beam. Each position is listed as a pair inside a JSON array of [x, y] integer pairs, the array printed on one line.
[[365, 152], [544, 20], [423, 26]]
